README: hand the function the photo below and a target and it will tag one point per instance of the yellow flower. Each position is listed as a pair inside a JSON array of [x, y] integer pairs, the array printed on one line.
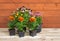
[[21, 14], [17, 14]]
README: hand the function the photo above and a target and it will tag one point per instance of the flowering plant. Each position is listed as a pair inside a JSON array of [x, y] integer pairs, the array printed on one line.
[[24, 17]]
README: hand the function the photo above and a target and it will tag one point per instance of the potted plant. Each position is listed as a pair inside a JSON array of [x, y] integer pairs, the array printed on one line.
[[20, 26], [32, 26], [23, 19], [11, 25], [24, 12], [39, 21]]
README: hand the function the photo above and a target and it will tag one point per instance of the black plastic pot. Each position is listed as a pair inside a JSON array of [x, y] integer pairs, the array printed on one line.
[[39, 28], [33, 33], [12, 32], [21, 34]]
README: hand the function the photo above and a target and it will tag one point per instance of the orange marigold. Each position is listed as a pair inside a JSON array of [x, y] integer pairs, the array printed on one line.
[[32, 19], [11, 18], [21, 19]]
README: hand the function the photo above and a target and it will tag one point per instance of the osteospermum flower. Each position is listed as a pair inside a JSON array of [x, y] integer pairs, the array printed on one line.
[[31, 13], [37, 13], [21, 19], [11, 18], [32, 19], [23, 8]]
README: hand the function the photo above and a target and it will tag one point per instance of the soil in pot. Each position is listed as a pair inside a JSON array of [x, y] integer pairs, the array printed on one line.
[[12, 32], [33, 33], [21, 34]]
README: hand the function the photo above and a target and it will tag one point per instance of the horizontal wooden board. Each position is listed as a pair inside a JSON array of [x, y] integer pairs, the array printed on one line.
[[31, 6], [51, 25], [4, 20], [5, 12], [3, 25], [51, 13], [30, 1], [15, 6], [51, 20]]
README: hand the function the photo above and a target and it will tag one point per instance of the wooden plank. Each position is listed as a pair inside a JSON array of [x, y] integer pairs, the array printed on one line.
[[3, 25], [51, 20], [50, 7], [30, 1], [43, 1], [5, 12], [51, 25], [5, 1], [14, 6], [3, 19], [31, 6], [51, 13]]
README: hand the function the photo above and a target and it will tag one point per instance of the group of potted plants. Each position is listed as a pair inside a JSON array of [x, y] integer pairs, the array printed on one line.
[[23, 19]]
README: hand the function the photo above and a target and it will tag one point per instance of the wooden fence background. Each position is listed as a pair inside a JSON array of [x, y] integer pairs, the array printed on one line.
[[50, 10]]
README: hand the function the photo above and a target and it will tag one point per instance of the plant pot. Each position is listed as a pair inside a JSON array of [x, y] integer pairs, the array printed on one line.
[[21, 34], [39, 28], [12, 32], [33, 33]]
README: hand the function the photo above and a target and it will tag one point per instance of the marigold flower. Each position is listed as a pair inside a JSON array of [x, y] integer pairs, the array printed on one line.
[[32, 19], [11, 18], [21, 19]]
